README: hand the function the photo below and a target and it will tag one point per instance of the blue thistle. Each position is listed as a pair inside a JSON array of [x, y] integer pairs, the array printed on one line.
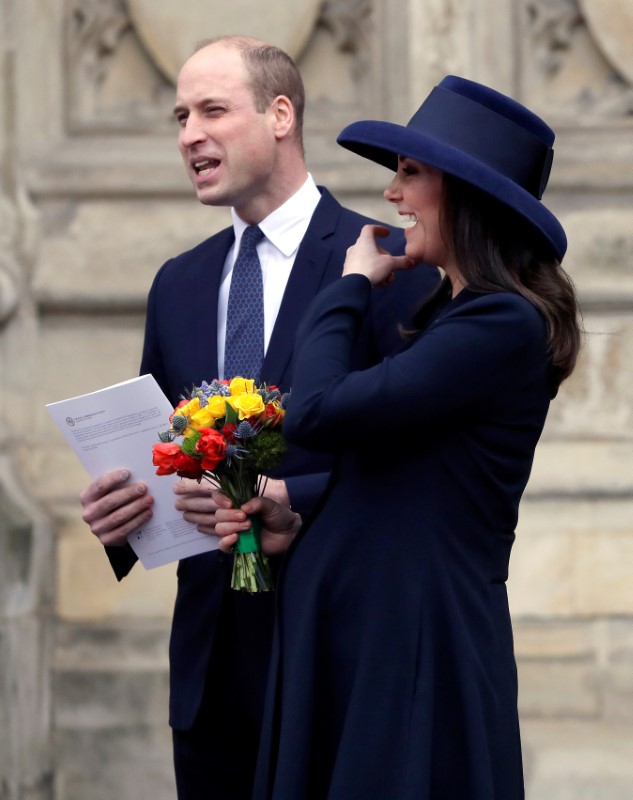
[[235, 451], [245, 430], [179, 423]]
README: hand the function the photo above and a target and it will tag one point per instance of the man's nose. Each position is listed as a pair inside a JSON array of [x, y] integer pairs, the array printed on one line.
[[191, 132]]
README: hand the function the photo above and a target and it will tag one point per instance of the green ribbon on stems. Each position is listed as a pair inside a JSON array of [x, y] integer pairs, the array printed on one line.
[[251, 570]]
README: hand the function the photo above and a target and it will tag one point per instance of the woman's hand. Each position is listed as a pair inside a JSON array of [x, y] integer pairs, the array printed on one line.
[[279, 523], [374, 262]]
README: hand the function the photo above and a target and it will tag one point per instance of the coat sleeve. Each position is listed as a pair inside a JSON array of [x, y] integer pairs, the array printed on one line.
[[460, 366]]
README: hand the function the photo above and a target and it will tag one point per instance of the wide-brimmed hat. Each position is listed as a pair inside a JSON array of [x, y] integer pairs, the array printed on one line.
[[479, 135]]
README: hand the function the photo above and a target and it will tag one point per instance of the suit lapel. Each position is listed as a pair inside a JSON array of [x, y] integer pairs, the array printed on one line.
[[309, 273], [306, 278], [204, 304]]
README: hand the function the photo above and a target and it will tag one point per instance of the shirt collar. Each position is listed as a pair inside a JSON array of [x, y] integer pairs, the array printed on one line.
[[285, 227]]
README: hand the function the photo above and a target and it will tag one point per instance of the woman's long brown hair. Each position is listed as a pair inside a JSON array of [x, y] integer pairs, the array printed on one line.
[[497, 250]]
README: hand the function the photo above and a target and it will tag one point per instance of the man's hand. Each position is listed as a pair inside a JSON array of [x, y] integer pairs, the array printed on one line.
[[114, 508], [196, 502], [279, 523]]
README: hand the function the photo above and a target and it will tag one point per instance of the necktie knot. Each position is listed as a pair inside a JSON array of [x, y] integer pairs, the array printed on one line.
[[251, 236]]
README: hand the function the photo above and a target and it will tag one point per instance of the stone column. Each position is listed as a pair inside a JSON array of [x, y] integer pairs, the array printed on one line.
[[25, 575]]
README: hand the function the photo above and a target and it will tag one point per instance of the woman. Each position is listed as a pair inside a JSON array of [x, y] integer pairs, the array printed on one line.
[[394, 675]]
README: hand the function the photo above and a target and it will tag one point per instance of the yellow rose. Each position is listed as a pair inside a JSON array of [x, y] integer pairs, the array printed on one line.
[[206, 417], [217, 406], [247, 405], [242, 386], [190, 408], [203, 418]]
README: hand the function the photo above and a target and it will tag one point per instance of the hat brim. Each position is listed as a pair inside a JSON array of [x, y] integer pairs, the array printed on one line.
[[383, 142]]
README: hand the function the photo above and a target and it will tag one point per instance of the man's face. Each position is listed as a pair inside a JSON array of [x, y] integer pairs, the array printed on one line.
[[229, 149]]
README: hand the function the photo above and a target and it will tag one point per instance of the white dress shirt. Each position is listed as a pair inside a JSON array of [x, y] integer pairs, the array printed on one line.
[[283, 231]]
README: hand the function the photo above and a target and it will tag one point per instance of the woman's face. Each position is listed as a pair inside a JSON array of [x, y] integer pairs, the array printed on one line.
[[416, 190]]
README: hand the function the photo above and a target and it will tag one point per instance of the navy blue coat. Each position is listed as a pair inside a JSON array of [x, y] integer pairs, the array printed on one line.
[[180, 350], [393, 674]]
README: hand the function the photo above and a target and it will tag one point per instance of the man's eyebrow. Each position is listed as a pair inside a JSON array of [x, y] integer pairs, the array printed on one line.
[[204, 101]]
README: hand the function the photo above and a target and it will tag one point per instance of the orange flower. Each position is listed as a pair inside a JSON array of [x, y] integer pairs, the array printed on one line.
[[169, 459], [212, 446]]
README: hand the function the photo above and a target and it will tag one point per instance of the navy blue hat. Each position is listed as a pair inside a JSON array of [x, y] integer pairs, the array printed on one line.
[[478, 135]]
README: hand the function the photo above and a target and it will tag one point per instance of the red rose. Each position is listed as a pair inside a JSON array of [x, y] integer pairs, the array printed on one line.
[[212, 445], [272, 416], [228, 431], [188, 466]]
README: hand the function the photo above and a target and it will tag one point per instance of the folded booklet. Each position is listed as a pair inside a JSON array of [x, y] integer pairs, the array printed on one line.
[[116, 427]]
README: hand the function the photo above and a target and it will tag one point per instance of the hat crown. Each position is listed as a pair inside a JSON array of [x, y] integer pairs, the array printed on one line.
[[489, 128], [500, 104]]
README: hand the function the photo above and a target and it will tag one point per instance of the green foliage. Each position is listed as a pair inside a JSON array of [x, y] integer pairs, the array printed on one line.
[[267, 450]]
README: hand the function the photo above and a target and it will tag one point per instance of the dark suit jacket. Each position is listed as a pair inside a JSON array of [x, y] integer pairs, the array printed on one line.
[[180, 350]]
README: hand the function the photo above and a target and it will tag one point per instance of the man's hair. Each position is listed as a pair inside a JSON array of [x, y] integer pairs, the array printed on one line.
[[272, 72]]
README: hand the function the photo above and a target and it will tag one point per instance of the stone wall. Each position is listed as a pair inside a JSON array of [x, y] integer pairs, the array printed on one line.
[[93, 199]]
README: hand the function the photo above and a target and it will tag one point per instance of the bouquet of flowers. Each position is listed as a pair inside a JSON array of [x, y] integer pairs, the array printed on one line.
[[228, 432]]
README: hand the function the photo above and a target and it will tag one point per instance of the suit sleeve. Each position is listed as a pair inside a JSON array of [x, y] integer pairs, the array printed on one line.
[[151, 361], [123, 558], [460, 366]]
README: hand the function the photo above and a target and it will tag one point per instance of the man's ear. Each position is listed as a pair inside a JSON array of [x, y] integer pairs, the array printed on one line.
[[284, 116]]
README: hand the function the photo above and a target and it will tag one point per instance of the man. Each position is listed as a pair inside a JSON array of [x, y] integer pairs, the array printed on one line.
[[239, 108]]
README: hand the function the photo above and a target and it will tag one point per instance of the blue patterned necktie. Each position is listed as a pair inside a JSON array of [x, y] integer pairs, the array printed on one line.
[[244, 341]]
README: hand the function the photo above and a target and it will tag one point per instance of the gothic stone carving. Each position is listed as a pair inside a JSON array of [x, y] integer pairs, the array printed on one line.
[[122, 58], [112, 83], [579, 60]]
